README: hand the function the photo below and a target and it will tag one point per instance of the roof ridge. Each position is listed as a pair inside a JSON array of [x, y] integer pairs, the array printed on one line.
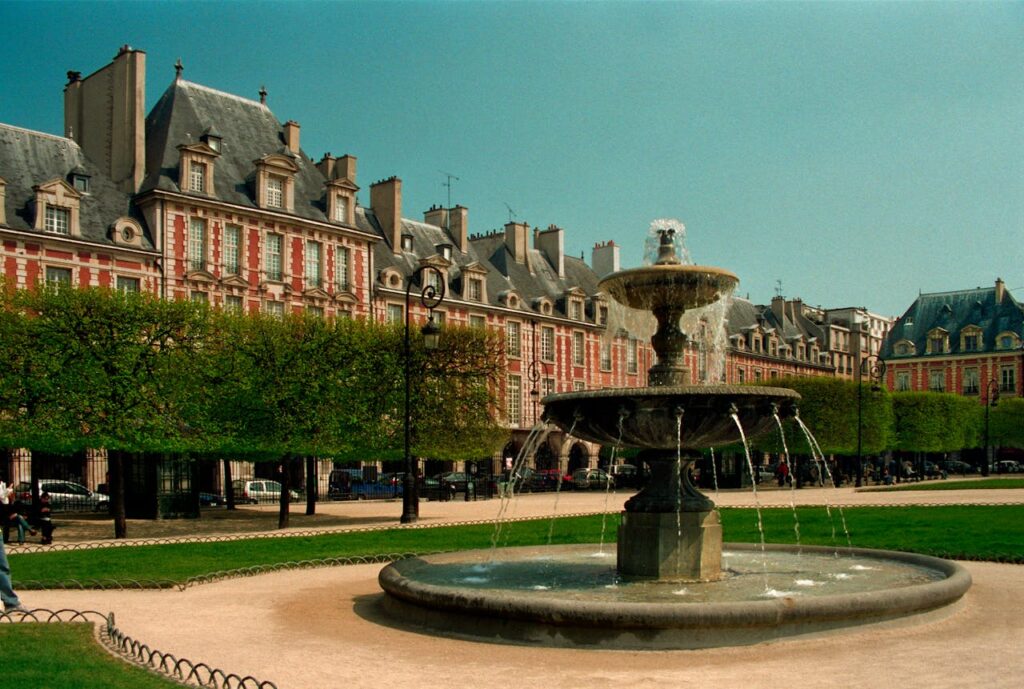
[[223, 94], [44, 135], [957, 291]]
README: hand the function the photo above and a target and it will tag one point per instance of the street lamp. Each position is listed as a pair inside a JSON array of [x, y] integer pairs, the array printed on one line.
[[534, 371], [874, 368], [431, 295], [991, 400]]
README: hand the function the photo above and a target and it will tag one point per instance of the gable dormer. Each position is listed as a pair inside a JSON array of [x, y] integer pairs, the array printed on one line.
[[57, 206], [574, 302], [437, 274], [195, 168], [341, 201], [275, 182], [474, 282], [938, 341], [971, 339]]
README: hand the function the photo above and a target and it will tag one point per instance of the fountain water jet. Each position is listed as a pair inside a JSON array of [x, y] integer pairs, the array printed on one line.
[[670, 532]]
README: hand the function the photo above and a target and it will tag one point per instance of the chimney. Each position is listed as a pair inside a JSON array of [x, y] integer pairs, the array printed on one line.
[[516, 240], [1000, 291], [551, 243], [779, 308], [326, 166], [386, 202], [605, 258], [346, 168], [105, 114], [458, 218], [436, 216], [291, 136]]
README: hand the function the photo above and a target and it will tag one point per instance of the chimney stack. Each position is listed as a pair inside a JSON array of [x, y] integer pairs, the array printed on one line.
[[458, 218], [605, 258], [291, 136], [436, 216], [326, 166], [1000, 291], [551, 243], [516, 240], [386, 202], [105, 114]]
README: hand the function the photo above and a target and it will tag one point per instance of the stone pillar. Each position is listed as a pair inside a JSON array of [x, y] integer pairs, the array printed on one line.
[[679, 546]]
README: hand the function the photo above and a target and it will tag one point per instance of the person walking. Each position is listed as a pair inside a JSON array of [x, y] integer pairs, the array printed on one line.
[[7, 594]]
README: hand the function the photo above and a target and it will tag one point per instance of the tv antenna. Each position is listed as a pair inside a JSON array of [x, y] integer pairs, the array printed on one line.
[[448, 183], [511, 212], [778, 287]]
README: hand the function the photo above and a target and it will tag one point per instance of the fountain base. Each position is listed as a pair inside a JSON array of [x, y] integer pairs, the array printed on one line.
[[671, 546]]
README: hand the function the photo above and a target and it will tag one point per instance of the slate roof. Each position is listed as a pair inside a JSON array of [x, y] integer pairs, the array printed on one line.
[[953, 311], [744, 315], [29, 158], [248, 130]]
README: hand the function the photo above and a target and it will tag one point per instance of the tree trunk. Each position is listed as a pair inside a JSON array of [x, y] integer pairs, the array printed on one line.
[[229, 491], [311, 485], [115, 461], [285, 480]]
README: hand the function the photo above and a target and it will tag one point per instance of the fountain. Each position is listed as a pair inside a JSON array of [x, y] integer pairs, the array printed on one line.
[[668, 587]]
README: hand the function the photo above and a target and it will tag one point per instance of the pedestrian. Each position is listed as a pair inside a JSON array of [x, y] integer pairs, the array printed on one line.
[[7, 594], [45, 518], [16, 516]]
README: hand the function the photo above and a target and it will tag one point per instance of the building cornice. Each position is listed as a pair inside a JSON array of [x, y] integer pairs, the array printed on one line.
[[47, 238]]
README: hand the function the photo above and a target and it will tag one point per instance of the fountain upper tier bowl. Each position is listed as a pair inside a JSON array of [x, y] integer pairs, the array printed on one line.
[[689, 417], [671, 284]]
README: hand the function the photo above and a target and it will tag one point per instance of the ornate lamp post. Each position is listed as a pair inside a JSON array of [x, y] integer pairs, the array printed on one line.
[[430, 297], [874, 368], [991, 400], [534, 372]]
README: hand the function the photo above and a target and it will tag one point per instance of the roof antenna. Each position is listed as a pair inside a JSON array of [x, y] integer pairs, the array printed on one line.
[[448, 184], [511, 213], [778, 287], [178, 69]]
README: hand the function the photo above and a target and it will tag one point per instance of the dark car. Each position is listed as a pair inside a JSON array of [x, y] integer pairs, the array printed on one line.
[[955, 466], [549, 479], [592, 479], [211, 500]]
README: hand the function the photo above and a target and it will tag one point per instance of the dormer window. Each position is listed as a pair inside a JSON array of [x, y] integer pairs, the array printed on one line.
[[57, 206], [445, 250], [341, 201], [341, 210], [970, 339], [212, 140], [576, 310], [57, 220], [406, 242], [938, 341], [197, 177], [475, 289], [275, 182], [80, 180], [275, 192]]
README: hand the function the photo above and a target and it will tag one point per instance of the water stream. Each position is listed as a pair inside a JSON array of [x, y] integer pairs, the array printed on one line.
[[757, 502], [792, 483]]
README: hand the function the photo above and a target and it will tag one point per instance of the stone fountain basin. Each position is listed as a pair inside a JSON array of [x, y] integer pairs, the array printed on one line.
[[649, 415], [682, 286], [444, 594]]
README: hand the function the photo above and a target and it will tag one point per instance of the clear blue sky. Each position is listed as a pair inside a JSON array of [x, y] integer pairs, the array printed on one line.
[[858, 152]]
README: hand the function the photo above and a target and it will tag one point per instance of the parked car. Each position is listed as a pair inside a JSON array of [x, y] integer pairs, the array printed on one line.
[[955, 466], [549, 479], [65, 495], [211, 500], [933, 470], [589, 479], [259, 490], [1007, 466], [626, 475]]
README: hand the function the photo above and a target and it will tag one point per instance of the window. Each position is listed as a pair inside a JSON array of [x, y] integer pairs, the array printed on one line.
[[512, 339], [631, 356], [341, 259], [1007, 379], [313, 270], [233, 303], [317, 311], [579, 357], [272, 256], [275, 192], [937, 381], [547, 344], [434, 279], [741, 375], [606, 355], [406, 242], [201, 297], [232, 244], [197, 177], [547, 387], [971, 343], [395, 313], [576, 310], [57, 220], [274, 308], [515, 400], [196, 244], [477, 322], [602, 315], [340, 209], [476, 289], [81, 183], [1006, 342], [127, 284], [579, 385], [903, 349], [970, 381], [58, 276], [757, 375]]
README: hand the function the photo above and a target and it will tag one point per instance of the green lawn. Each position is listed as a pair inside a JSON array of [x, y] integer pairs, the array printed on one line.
[[965, 532], [66, 656], [972, 484]]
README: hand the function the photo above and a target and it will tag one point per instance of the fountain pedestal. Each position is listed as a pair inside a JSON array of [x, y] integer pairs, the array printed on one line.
[[681, 546]]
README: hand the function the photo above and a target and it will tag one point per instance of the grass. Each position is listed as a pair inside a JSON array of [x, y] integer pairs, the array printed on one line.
[[66, 656], [973, 484], [975, 532]]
